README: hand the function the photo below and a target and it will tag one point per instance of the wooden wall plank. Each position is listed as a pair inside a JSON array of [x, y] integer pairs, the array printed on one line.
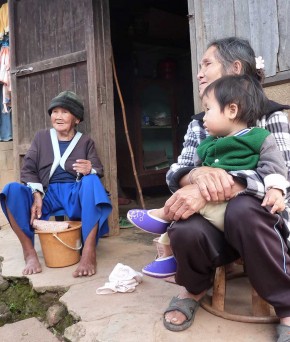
[[264, 37], [194, 42], [242, 27], [205, 26], [259, 21], [48, 31], [51, 87], [208, 17], [17, 8], [66, 79], [78, 25], [81, 87], [33, 33], [36, 114], [23, 118], [64, 25], [284, 33]]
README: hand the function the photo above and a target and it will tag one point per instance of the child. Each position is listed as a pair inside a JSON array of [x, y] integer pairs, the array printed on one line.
[[233, 105]]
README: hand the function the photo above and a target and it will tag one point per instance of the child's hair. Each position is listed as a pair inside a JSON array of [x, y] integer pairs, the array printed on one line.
[[244, 91]]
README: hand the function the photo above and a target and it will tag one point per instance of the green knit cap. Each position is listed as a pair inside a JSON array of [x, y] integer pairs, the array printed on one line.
[[70, 101]]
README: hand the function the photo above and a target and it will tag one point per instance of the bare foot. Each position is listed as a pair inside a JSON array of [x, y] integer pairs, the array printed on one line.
[[285, 321], [176, 317], [32, 263], [88, 264]]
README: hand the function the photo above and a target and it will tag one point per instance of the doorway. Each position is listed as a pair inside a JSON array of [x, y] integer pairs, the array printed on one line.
[[151, 47]]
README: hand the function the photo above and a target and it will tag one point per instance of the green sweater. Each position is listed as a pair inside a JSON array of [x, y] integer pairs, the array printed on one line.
[[234, 152]]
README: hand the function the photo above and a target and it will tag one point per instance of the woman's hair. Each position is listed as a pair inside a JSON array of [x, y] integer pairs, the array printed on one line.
[[244, 91], [232, 49]]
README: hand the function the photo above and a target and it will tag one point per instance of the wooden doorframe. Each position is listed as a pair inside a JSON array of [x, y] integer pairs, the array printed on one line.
[[101, 100]]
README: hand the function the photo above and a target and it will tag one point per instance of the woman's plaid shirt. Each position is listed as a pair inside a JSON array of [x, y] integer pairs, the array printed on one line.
[[277, 123]]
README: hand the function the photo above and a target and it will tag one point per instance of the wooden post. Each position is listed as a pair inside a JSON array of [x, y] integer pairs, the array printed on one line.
[[259, 306], [219, 289]]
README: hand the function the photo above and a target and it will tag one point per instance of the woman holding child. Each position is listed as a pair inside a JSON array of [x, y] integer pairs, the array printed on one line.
[[260, 237]]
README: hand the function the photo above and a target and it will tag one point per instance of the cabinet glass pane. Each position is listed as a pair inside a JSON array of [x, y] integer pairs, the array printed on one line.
[[156, 132]]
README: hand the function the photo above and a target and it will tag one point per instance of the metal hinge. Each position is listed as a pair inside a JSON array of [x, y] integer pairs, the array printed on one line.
[[190, 16], [101, 93]]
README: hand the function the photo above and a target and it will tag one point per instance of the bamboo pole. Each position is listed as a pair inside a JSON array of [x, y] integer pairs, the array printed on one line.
[[127, 134]]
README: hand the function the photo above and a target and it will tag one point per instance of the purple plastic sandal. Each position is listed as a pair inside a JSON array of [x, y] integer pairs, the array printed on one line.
[[143, 220]]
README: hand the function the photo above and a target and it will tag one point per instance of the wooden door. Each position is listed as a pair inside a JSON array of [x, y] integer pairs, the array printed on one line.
[[61, 45]]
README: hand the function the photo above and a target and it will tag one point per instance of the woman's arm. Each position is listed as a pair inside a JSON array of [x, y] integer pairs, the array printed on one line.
[[185, 162], [36, 209], [271, 166], [184, 203], [84, 159], [272, 169], [278, 125], [30, 168], [214, 184]]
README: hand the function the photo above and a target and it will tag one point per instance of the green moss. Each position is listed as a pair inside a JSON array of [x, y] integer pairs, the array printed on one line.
[[23, 302]]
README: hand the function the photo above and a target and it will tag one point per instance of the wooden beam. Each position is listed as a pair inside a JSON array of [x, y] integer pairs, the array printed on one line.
[[281, 77], [51, 63]]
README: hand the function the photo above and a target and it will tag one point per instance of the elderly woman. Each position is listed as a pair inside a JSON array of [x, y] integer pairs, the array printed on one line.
[[260, 238], [61, 170]]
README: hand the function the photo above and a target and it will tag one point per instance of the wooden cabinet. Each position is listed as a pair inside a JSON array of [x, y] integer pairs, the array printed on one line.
[[155, 127], [152, 129], [156, 86]]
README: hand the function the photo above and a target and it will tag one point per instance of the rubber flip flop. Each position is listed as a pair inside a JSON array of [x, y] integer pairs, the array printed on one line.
[[187, 306], [283, 333]]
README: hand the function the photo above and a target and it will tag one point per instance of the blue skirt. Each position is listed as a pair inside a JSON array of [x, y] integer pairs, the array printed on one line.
[[86, 201]]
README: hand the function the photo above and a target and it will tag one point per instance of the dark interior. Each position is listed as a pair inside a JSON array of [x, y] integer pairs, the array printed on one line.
[[152, 55]]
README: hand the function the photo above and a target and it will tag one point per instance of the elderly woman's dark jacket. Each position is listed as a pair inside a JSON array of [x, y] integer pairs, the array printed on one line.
[[39, 158]]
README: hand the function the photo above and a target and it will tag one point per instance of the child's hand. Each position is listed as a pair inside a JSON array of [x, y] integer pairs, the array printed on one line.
[[275, 199]]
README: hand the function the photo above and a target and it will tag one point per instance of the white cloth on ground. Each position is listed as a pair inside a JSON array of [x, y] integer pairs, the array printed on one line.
[[122, 279]]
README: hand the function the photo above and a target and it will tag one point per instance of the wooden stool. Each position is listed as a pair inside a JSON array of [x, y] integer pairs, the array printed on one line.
[[215, 304]]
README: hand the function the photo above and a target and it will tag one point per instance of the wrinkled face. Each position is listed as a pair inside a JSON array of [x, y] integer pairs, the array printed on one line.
[[216, 122], [63, 121], [210, 69]]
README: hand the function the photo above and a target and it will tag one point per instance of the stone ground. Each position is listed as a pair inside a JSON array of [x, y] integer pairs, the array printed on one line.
[[122, 317]]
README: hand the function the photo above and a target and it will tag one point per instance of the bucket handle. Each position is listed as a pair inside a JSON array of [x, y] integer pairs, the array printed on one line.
[[70, 247]]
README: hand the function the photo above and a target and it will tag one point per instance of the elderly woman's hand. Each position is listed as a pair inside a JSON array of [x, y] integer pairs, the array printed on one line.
[[184, 203], [36, 209], [214, 184], [83, 166]]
